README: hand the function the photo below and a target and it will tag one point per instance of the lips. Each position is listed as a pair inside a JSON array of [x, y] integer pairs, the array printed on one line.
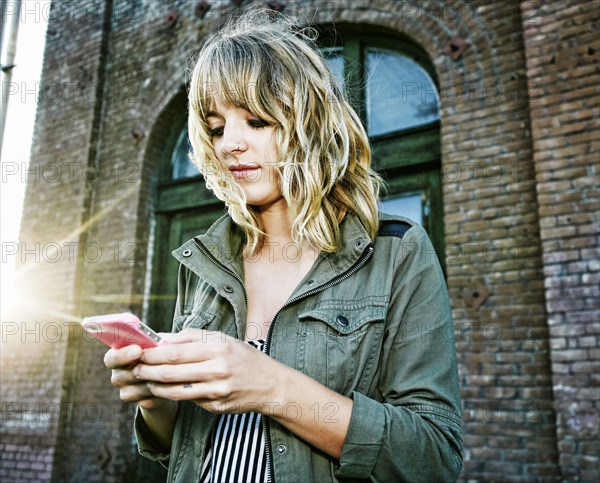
[[241, 171]]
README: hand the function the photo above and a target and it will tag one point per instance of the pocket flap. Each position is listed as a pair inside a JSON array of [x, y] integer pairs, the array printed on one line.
[[346, 316]]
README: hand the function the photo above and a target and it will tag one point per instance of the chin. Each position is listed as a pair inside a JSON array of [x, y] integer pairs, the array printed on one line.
[[262, 203]]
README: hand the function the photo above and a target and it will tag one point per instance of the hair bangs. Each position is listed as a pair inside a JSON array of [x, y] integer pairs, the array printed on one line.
[[237, 72]]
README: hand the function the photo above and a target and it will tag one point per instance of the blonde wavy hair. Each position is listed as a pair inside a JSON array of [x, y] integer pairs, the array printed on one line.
[[262, 63]]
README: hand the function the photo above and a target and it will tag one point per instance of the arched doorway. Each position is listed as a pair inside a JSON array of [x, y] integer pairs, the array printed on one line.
[[392, 85]]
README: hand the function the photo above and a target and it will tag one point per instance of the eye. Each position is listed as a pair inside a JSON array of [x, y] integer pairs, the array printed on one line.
[[257, 123], [215, 132]]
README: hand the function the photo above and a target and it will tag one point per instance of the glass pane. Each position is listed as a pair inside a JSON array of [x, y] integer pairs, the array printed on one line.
[[400, 93], [335, 60], [408, 205], [181, 166]]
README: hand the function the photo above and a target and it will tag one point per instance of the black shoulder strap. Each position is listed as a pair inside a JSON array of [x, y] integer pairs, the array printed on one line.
[[393, 228]]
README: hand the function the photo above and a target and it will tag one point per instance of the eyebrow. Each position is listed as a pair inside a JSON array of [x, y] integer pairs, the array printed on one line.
[[212, 114]]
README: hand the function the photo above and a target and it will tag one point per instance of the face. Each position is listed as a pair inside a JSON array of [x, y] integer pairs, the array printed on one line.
[[245, 146]]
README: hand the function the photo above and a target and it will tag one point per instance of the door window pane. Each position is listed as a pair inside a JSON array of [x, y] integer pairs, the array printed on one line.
[[181, 166], [335, 61], [408, 205], [400, 93]]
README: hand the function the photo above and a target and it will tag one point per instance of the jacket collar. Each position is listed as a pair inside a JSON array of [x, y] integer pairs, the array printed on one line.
[[220, 245], [223, 243]]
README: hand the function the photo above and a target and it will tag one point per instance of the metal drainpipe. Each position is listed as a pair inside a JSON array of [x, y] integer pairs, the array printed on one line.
[[2, 22], [9, 58]]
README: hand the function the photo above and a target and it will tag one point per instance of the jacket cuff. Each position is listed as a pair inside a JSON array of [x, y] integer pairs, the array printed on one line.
[[364, 439], [147, 444]]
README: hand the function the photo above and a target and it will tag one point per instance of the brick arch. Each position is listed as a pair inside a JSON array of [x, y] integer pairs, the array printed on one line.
[[168, 112], [431, 29], [167, 118]]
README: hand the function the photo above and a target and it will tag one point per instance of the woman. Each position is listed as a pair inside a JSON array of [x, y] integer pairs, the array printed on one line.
[[355, 377]]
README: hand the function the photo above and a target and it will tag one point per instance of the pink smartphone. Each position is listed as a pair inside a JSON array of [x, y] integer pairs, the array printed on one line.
[[120, 330]]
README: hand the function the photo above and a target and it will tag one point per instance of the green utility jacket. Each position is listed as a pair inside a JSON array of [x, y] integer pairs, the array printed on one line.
[[372, 322]]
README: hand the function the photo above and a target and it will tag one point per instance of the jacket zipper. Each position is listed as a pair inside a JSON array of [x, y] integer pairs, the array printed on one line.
[[366, 254], [361, 261], [340, 278]]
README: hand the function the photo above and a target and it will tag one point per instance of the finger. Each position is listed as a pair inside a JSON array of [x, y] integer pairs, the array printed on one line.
[[135, 392], [198, 335], [150, 403], [123, 377], [189, 391], [124, 357], [174, 373], [178, 353]]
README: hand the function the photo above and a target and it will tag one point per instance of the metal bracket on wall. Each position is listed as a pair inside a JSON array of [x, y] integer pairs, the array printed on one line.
[[171, 18], [201, 9], [476, 294], [456, 47]]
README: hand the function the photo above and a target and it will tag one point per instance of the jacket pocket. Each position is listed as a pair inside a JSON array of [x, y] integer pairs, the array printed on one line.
[[341, 340]]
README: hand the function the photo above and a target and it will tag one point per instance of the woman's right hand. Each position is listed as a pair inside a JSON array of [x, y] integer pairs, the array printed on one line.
[[122, 361], [158, 413]]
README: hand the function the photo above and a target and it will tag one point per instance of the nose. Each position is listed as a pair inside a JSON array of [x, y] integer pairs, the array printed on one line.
[[231, 143]]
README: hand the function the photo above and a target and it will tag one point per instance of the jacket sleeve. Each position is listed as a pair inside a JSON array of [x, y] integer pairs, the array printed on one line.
[[147, 444], [414, 433]]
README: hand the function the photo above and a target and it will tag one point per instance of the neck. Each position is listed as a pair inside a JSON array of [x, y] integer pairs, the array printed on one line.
[[277, 225], [276, 222]]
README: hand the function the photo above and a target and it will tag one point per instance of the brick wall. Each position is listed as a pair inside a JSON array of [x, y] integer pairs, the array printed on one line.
[[37, 356], [561, 48], [518, 175], [493, 250]]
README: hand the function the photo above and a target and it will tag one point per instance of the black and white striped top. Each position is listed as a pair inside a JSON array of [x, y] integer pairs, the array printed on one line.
[[237, 449]]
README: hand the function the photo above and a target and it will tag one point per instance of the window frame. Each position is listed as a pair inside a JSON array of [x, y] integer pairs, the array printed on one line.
[[408, 159]]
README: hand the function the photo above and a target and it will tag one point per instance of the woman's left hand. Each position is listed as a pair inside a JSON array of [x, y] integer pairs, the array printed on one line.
[[225, 375], [218, 372]]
